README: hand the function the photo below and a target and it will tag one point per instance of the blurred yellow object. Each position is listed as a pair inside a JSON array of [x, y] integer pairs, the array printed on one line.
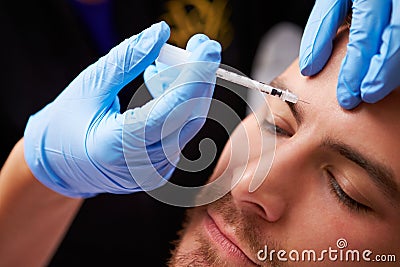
[[188, 17]]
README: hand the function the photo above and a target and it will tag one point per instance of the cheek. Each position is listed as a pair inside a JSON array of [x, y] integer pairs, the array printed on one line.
[[188, 239], [318, 221]]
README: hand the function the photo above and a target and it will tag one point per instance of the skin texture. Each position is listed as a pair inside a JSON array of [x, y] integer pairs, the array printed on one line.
[[296, 207], [33, 218]]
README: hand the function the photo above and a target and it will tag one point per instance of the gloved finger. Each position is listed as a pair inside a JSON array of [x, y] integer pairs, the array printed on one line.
[[368, 22], [123, 63], [158, 84], [155, 83], [195, 41], [322, 25], [159, 76], [196, 81], [383, 73]]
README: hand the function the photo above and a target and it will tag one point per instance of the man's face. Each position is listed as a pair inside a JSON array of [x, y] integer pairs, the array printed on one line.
[[335, 175]]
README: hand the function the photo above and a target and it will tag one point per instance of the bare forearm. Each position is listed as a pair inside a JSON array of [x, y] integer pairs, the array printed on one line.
[[33, 219]]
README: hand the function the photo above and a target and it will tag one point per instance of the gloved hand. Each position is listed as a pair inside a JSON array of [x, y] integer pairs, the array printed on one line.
[[75, 145], [370, 69]]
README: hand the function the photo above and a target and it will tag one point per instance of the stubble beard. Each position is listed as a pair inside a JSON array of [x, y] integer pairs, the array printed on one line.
[[204, 253]]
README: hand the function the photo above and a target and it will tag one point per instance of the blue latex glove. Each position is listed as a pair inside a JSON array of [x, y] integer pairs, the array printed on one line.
[[370, 69], [75, 146], [159, 77]]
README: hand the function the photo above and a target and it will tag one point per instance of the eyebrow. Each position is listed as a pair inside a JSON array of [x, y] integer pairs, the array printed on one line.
[[296, 109], [382, 175]]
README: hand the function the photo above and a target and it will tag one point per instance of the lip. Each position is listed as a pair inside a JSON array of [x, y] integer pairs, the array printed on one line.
[[225, 243]]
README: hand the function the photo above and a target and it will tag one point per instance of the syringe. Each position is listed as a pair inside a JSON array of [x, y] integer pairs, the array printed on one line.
[[171, 55]]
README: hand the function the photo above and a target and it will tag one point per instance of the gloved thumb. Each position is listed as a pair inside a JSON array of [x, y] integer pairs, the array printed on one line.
[[322, 25], [188, 97], [123, 63]]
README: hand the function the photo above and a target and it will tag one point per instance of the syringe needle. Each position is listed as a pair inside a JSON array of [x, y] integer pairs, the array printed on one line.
[[303, 101], [284, 95]]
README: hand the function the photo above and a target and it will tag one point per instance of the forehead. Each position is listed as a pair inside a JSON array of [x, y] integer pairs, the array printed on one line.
[[373, 128]]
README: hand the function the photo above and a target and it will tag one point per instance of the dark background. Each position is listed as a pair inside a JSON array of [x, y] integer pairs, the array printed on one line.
[[45, 44]]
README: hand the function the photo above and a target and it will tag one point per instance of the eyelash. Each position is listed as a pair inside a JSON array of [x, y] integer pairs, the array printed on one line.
[[335, 188], [275, 129], [343, 198]]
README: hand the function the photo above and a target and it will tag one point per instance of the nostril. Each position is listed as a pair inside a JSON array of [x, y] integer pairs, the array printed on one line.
[[261, 212], [257, 209], [270, 211]]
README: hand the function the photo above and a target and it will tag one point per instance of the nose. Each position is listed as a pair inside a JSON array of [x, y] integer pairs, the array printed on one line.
[[280, 183]]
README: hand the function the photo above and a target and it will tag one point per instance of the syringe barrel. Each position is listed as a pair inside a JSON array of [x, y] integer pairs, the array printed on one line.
[[288, 96], [237, 78], [172, 55]]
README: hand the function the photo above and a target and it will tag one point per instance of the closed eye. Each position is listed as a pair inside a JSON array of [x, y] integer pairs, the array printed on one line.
[[275, 129], [344, 198]]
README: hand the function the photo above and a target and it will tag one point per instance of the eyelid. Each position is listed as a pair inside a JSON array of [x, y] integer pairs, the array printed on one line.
[[282, 123], [274, 129], [343, 196], [283, 110], [350, 189]]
